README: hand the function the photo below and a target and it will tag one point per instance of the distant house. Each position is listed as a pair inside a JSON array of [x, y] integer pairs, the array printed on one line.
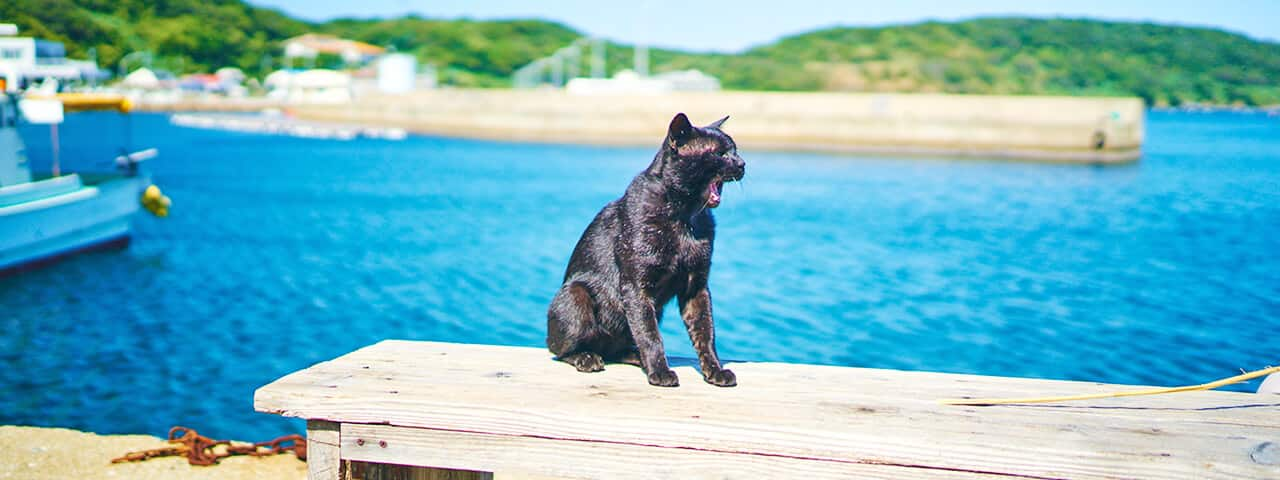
[[201, 82], [32, 59], [142, 78], [690, 81], [397, 73], [310, 45], [309, 86], [230, 75]]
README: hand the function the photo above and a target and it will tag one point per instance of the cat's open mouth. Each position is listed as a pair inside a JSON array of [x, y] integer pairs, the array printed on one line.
[[713, 193], [715, 189]]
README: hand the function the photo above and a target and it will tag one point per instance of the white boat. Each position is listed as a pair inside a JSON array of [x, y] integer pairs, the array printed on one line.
[[47, 219]]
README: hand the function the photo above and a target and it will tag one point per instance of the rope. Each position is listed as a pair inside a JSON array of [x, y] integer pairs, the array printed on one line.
[[1151, 391]]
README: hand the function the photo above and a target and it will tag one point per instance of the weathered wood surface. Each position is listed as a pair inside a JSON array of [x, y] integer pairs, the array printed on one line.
[[323, 461], [518, 456], [514, 409]]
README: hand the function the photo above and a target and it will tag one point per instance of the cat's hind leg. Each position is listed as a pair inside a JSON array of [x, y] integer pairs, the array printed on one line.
[[572, 330]]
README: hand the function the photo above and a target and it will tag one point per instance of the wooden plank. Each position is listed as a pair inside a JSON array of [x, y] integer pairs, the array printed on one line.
[[323, 460], [521, 456], [833, 414], [388, 471]]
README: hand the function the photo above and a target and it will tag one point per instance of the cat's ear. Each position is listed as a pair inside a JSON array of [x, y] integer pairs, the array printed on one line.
[[718, 123], [679, 131]]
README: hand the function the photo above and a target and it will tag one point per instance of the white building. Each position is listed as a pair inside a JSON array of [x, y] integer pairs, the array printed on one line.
[[28, 60], [690, 81], [397, 73], [626, 81], [309, 86], [230, 76], [142, 78]]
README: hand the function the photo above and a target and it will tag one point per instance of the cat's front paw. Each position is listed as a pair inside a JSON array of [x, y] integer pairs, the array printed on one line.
[[722, 378], [665, 378]]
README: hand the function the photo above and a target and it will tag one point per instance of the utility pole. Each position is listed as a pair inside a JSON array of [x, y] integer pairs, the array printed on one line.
[[597, 58], [642, 60], [557, 70], [573, 60], [93, 59]]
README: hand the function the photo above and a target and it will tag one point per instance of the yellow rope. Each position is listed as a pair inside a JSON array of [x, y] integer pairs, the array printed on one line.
[[1151, 391]]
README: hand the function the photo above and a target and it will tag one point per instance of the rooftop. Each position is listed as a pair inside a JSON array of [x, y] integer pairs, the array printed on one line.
[[324, 43]]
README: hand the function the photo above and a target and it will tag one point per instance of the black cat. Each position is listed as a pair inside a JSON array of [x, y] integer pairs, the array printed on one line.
[[652, 244]]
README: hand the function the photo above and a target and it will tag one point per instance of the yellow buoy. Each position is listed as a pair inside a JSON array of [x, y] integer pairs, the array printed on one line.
[[155, 201]]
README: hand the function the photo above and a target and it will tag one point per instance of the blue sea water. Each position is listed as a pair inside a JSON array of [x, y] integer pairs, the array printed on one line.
[[282, 252]]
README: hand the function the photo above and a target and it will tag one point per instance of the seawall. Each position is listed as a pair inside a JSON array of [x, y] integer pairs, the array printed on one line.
[[1068, 129]]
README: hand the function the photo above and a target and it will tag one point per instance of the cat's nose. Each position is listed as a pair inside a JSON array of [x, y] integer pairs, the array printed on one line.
[[737, 167]]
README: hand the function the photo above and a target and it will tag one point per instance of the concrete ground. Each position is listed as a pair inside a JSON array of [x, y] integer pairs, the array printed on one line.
[[32, 453]]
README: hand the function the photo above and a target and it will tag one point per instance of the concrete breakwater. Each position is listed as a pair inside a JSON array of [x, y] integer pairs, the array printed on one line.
[[1067, 129]]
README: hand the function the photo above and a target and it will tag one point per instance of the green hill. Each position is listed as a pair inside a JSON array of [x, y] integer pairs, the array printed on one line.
[[200, 36], [1160, 63], [183, 35], [473, 53]]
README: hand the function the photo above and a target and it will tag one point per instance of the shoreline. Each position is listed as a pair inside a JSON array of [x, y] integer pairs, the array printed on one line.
[[1054, 129]]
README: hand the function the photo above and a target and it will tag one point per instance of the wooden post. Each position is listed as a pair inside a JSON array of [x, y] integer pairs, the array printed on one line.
[[323, 461]]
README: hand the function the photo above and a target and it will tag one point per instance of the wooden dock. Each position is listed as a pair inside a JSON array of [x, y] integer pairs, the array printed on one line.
[[515, 411]]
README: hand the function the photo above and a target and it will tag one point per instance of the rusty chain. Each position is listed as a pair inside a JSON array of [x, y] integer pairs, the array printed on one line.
[[202, 450]]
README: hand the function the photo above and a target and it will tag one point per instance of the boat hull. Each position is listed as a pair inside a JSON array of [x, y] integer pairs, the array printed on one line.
[[95, 217]]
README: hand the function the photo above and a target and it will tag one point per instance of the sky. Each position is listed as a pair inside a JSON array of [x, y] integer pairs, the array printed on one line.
[[731, 26]]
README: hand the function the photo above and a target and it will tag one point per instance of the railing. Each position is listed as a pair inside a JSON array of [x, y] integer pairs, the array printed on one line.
[[563, 65]]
